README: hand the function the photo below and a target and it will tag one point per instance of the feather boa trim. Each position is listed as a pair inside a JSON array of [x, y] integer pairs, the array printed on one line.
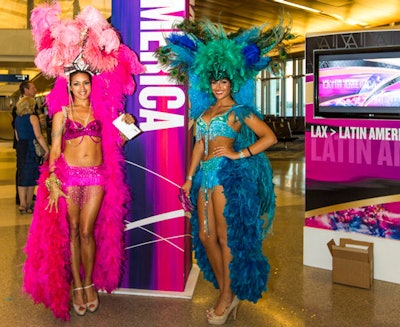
[[46, 270]]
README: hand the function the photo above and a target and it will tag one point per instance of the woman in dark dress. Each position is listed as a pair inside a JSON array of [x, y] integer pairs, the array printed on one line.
[[27, 129]]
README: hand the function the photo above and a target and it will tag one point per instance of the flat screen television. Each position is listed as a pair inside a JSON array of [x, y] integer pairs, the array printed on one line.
[[357, 83]]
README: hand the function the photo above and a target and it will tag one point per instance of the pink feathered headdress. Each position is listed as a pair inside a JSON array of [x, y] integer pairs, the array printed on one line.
[[60, 43], [87, 43]]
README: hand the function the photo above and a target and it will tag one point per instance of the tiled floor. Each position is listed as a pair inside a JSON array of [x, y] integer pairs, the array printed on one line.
[[297, 296]]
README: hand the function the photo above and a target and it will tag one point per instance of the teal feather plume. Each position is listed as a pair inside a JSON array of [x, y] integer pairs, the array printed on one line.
[[202, 49]]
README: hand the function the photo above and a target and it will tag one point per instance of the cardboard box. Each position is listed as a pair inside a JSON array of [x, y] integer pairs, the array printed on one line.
[[352, 262]]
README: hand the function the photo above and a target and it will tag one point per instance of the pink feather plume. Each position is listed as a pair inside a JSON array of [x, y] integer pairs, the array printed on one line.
[[59, 42]]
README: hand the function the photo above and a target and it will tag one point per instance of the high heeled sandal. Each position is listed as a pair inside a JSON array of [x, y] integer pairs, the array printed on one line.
[[92, 306], [80, 309], [210, 311], [29, 209], [214, 319]]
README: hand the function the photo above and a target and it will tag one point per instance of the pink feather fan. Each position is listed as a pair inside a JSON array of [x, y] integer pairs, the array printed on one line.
[[60, 41]]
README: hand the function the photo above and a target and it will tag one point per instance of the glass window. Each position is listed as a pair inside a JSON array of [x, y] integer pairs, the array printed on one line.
[[282, 95], [289, 89]]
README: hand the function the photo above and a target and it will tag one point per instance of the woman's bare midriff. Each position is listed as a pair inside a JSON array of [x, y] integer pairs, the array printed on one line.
[[218, 141], [85, 154]]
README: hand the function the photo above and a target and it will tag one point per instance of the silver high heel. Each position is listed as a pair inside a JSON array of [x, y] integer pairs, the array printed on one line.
[[210, 312], [213, 319], [93, 305], [80, 309]]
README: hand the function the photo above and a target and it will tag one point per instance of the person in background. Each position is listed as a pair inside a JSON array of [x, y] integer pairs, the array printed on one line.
[[27, 129], [229, 179], [27, 89], [14, 115]]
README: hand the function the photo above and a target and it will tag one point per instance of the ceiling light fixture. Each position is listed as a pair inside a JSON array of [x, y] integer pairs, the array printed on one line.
[[356, 23], [315, 11], [291, 4], [346, 21]]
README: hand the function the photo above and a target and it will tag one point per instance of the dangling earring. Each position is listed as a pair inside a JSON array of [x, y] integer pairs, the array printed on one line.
[[71, 100]]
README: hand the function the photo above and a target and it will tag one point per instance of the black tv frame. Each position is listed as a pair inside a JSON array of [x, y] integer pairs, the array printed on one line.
[[376, 112]]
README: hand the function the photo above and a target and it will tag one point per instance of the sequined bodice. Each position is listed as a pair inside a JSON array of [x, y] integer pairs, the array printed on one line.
[[75, 129], [218, 126]]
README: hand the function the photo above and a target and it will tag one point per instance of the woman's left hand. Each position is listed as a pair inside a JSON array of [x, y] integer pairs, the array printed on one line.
[[223, 151], [128, 118]]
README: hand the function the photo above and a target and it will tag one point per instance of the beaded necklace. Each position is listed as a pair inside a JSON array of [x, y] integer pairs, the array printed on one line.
[[85, 121]]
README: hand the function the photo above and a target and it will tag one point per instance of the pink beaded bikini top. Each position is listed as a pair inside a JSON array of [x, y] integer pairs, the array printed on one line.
[[75, 129]]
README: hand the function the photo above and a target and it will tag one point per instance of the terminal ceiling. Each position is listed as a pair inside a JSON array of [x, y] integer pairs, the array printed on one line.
[[307, 17]]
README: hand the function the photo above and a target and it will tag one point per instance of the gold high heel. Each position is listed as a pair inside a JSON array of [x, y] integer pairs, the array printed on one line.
[[213, 319], [80, 309], [93, 305]]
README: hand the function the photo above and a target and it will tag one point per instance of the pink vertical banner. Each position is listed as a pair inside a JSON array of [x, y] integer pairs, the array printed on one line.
[[158, 242]]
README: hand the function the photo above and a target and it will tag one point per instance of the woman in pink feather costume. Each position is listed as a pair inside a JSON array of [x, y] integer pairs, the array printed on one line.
[[75, 244]]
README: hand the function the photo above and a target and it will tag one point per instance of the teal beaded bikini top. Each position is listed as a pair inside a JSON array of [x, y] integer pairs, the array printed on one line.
[[218, 126]]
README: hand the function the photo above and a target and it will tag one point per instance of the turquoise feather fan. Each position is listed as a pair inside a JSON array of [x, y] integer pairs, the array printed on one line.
[[201, 51]]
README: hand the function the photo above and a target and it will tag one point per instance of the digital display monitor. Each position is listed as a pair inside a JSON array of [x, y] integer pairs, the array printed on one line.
[[357, 83]]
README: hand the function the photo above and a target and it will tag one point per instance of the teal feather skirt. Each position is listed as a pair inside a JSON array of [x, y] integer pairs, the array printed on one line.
[[249, 213]]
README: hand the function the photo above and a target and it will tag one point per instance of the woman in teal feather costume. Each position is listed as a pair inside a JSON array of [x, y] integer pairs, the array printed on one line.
[[230, 182], [229, 178]]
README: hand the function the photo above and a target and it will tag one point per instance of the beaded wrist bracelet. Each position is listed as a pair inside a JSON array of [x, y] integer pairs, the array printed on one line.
[[50, 180]]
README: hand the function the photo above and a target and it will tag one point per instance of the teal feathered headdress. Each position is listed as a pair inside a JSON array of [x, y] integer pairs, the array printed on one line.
[[200, 51]]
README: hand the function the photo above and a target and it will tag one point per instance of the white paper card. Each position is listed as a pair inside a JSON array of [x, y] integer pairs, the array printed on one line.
[[129, 130]]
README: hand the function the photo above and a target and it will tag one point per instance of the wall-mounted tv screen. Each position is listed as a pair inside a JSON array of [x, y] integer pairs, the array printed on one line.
[[357, 83]]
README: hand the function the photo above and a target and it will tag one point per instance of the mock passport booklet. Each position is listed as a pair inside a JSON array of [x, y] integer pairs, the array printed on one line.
[[129, 130]]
